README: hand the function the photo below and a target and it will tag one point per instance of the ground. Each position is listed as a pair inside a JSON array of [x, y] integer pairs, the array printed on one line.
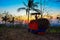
[[23, 34]]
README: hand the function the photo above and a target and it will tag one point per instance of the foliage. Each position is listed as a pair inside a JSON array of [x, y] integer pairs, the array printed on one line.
[[31, 5], [5, 18], [20, 26]]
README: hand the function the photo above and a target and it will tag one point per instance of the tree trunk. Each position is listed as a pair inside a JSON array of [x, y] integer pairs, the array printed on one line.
[[41, 15], [5, 23], [28, 15]]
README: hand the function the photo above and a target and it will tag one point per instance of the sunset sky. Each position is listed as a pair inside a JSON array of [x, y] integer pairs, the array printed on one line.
[[52, 6]]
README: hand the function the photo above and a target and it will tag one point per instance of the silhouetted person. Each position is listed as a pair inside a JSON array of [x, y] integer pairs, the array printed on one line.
[[36, 17]]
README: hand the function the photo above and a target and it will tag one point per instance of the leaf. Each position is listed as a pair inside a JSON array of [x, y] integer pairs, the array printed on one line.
[[30, 3], [23, 8], [25, 4], [35, 5], [36, 2], [37, 10]]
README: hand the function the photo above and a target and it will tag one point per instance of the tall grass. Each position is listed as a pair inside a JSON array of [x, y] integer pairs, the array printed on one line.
[[21, 26]]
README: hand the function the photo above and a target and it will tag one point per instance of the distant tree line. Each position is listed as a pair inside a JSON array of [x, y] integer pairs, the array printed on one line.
[[6, 17]]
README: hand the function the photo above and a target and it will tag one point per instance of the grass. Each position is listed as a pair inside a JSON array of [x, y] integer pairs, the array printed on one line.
[[18, 32], [54, 30], [51, 30]]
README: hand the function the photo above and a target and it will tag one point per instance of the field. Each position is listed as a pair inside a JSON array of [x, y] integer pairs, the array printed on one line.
[[21, 33]]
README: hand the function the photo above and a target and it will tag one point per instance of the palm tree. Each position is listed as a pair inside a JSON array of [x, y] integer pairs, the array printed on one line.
[[5, 17], [58, 17], [12, 21], [30, 6]]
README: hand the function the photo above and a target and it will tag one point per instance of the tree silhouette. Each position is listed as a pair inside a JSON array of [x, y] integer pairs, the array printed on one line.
[[58, 19], [5, 18], [31, 5], [12, 21]]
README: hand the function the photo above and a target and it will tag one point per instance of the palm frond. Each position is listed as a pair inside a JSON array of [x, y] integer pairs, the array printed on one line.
[[37, 10], [25, 4], [35, 4], [23, 8], [30, 3]]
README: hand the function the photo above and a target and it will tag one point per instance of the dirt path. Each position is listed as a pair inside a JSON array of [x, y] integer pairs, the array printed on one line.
[[23, 34]]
